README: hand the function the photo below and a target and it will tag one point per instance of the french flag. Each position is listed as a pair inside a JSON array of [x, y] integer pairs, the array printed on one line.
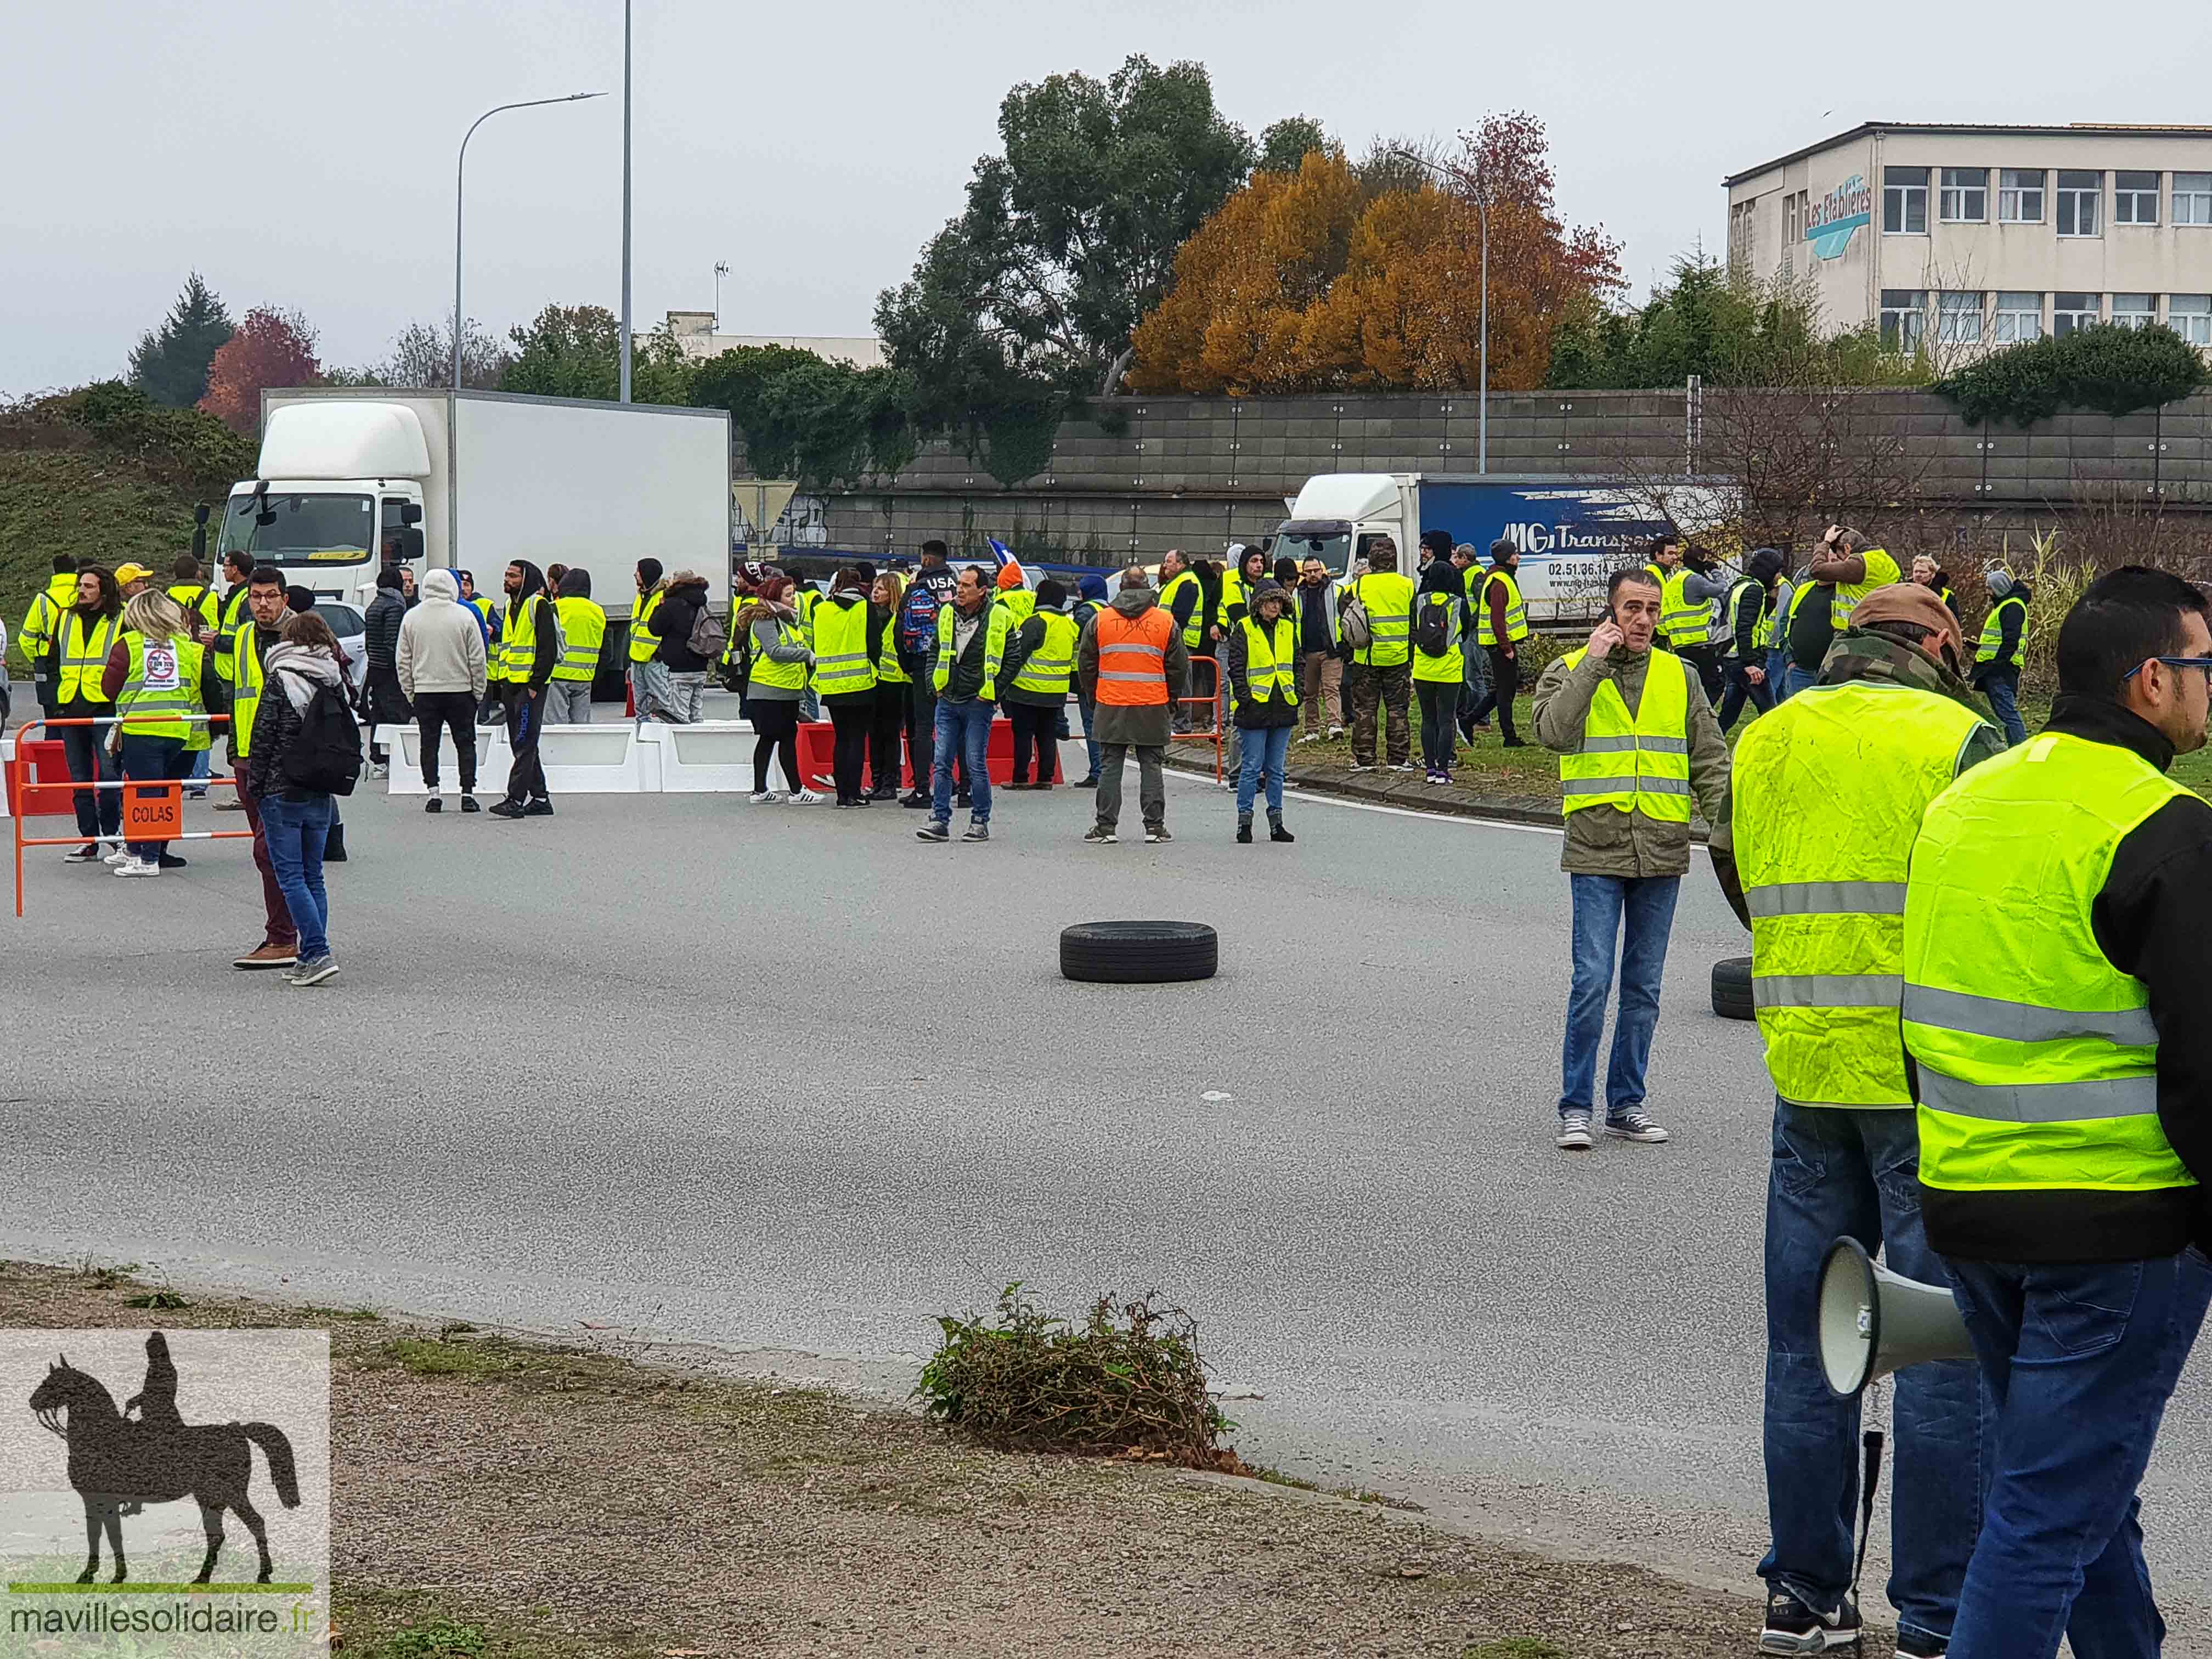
[[1001, 552]]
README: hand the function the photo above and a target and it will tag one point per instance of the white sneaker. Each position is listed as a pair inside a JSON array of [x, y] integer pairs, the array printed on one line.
[[1311, 737], [137, 867], [121, 855], [805, 798], [766, 797], [373, 770], [1336, 731]]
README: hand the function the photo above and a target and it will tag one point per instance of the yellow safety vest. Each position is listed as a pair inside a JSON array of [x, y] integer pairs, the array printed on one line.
[[1388, 599], [841, 648], [642, 644], [1747, 590], [2037, 1059], [196, 600], [1880, 571], [780, 676], [1020, 603], [1047, 669], [36, 637], [1271, 664], [1774, 632], [84, 657], [238, 664], [583, 631], [518, 641], [163, 687], [1638, 763], [1517, 614], [889, 671], [1992, 640], [1193, 631], [1449, 668], [1681, 620], [995, 622], [1829, 790]]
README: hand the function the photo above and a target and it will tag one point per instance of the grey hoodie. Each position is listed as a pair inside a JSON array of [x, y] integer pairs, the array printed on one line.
[[1146, 726], [441, 648]]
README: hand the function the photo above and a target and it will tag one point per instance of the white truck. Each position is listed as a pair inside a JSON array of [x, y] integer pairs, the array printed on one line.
[[472, 480]]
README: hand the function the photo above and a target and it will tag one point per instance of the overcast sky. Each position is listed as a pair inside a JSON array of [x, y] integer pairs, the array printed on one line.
[[301, 153]]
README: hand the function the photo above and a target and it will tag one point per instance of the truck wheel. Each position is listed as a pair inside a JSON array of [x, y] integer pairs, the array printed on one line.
[[1732, 988], [1139, 953]]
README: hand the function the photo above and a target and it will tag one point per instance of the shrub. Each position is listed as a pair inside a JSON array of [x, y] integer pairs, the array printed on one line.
[[1126, 1379], [2109, 368]]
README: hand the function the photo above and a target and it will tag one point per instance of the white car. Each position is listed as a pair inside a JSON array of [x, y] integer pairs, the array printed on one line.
[[351, 627]]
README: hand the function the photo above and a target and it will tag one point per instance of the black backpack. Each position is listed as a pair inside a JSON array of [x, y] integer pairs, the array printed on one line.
[[1432, 632], [325, 757]]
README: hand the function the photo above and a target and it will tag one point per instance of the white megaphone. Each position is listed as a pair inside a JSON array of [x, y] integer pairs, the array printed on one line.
[[1873, 1322]]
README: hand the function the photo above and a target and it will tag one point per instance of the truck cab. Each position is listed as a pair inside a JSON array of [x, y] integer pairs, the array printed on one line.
[[336, 484], [1339, 515]]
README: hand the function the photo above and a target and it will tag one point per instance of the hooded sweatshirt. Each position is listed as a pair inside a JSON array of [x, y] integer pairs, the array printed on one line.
[[548, 657], [1277, 709], [680, 606], [441, 644], [1147, 726]]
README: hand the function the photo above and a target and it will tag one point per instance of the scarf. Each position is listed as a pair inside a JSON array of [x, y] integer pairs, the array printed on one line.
[[300, 669]]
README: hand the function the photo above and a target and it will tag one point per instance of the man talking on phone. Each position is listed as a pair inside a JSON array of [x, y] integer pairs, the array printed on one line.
[[1638, 742]]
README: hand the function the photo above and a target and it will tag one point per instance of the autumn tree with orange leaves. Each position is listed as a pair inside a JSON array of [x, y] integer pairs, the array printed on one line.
[[1337, 276], [271, 348]]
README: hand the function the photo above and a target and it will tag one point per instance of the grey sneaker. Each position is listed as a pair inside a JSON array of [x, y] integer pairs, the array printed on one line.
[[1633, 1124], [1098, 835], [313, 971], [1574, 1132], [976, 831], [1156, 832], [935, 829]]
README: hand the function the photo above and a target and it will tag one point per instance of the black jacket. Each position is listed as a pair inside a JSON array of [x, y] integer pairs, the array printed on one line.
[[2151, 920], [381, 635], [679, 609], [1271, 712], [2006, 664]]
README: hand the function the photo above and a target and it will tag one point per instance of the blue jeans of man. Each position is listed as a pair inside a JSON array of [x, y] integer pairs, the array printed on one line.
[[964, 729], [2080, 1359], [1088, 706], [1838, 1171], [1778, 674], [1740, 691], [1796, 679], [1266, 751], [1636, 913], [2003, 694], [297, 830]]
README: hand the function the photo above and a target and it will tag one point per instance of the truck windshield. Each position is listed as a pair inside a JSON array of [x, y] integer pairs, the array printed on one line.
[[1332, 548], [309, 529]]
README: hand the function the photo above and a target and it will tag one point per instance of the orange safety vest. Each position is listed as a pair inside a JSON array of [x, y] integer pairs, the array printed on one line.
[[1133, 657]]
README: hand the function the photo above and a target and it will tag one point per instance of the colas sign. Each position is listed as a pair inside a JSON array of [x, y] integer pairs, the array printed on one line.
[[1837, 217]]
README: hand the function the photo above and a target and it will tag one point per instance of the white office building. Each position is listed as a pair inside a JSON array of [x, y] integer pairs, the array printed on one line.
[[1961, 238]]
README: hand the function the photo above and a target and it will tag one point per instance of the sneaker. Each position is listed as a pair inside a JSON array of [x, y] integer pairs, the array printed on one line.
[[1244, 832], [1403, 766], [766, 797], [976, 831], [1793, 1627], [1363, 766], [469, 804], [137, 867], [1516, 743], [1311, 737], [87, 854], [913, 797], [1156, 833], [935, 829], [434, 804], [804, 797], [884, 792], [1099, 836], [230, 803], [313, 971], [540, 808], [1913, 1644], [1276, 832], [1633, 1124], [1091, 783], [505, 809], [170, 861], [266, 955], [1574, 1132], [1336, 732], [121, 855], [374, 769], [198, 794]]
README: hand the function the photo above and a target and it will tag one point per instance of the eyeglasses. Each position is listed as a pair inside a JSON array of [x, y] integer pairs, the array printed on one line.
[[2204, 663]]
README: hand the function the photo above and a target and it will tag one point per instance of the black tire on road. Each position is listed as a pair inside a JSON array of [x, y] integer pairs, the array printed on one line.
[[1139, 953], [1732, 988]]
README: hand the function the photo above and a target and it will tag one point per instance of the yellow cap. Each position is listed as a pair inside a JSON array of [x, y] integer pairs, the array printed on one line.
[[131, 573]]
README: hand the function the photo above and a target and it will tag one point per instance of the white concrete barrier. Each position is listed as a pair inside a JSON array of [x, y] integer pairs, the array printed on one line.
[[579, 760], [709, 758]]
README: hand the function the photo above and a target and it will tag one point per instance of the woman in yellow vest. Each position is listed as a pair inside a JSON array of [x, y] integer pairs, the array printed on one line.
[[583, 632], [1041, 655], [1263, 657], [84, 637], [893, 689], [845, 646], [161, 678], [776, 657], [1439, 635]]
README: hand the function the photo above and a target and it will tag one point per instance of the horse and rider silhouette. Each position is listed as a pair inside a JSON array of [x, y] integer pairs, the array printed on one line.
[[119, 1466]]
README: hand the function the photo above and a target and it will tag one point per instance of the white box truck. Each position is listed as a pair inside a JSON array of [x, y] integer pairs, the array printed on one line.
[[471, 480]]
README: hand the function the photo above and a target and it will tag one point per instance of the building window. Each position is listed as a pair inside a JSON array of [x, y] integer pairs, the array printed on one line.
[[1965, 199], [2192, 199], [1959, 318], [2020, 317], [2190, 315], [2081, 202], [2134, 198], [1904, 317], [2071, 311], [1904, 201], [2020, 196], [2135, 309]]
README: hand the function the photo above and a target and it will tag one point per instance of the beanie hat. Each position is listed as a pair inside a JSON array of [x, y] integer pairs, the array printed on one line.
[[1010, 576]]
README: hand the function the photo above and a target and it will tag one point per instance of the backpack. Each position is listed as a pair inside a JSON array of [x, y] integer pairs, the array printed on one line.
[[1352, 621], [707, 639], [917, 620], [1432, 632], [325, 757]]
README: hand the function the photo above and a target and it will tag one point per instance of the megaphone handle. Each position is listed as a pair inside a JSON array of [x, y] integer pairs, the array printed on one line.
[[1869, 1483]]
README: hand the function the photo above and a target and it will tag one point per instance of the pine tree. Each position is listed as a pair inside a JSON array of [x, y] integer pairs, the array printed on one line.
[[171, 364]]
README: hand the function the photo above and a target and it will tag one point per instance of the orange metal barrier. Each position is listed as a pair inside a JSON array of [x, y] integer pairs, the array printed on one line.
[[1210, 702], [153, 812]]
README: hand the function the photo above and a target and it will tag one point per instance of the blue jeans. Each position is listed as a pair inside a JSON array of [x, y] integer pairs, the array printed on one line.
[[1795, 679], [1088, 705], [2080, 1359], [963, 729], [1777, 673], [1268, 751], [296, 830], [149, 759], [2003, 697], [1601, 903], [1839, 1171]]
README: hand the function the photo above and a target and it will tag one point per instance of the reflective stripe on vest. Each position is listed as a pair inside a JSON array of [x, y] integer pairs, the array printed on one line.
[[841, 648], [1683, 623], [1992, 640], [2037, 1059], [643, 643], [1746, 592], [1450, 667], [1390, 618], [518, 641], [240, 666], [583, 631], [992, 625], [157, 709], [1654, 778], [1193, 631], [84, 656], [1047, 669], [1517, 621], [1880, 571], [1133, 655], [889, 670], [780, 676], [1271, 664]]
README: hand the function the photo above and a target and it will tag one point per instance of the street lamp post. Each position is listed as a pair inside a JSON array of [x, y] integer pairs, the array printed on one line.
[[625, 297], [1481, 195], [459, 170]]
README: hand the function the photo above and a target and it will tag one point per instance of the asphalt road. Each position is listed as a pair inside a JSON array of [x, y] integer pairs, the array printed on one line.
[[776, 1078]]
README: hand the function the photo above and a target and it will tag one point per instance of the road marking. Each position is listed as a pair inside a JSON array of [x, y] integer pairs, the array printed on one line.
[[1395, 811]]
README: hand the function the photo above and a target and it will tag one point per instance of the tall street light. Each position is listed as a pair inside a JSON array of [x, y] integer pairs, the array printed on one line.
[[625, 308], [1480, 194], [459, 169]]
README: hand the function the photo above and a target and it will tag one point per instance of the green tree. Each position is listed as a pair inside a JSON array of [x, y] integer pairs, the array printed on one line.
[[2111, 369], [1027, 300], [805, 417], [171, 364], [575, 351], [1289, 142]]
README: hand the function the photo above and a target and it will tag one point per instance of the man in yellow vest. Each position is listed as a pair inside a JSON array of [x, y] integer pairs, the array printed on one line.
[[239, 656], [1997, 656], [1183, 598], [649, 692], [1856, 566], [1636, 743], [583, 631], [1040, 661], [1381, 673], [2058, 1017], [42, 624], [529, 650], [1661, 560], [1826, 796], [1501, 626]]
